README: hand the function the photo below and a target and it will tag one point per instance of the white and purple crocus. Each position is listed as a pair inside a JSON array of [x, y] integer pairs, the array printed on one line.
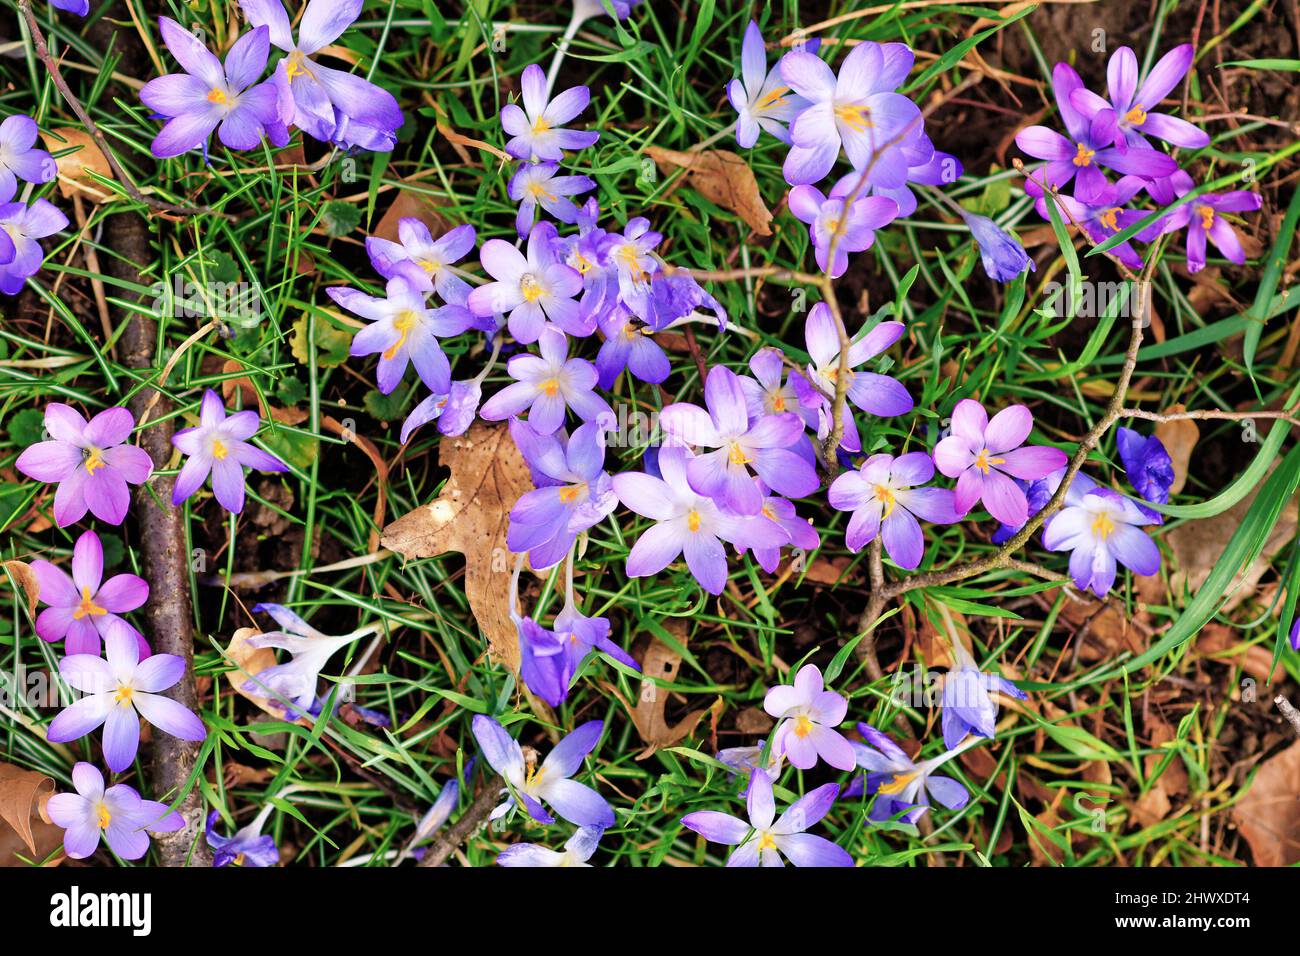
[[884, 499], [218, 446], [808, 715], [117, 815], [82, 607]]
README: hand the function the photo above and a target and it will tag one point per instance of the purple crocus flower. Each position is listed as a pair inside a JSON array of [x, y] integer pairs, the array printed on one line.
[[1127, 118], [1101, 527], [117, 814], [219, 446], [404, 329], [1295, 635], [686, 523], [1146, 463], [873, 393], [761, 99], [631, 346], [766, 395], [985, 455], [578, 849], [884, 501], [1203, 219], [858, 110], [546, 385], [543, 665], [89, 462], [851, 230], [808, 715], [926, 166], [435, 256], [1100, 222], [578, 493], [537, 130], [292, 685], [19, 159], [1002, 256], [79, 7], [580, 635], [209, 96], [800, 531], [725, 473], [967, 705], [530, 290], [330, 105], [764, 838], [902, 786], [631, 255], [675, 297], [551, 782], [248, 846], [536, 184], [119, 690], [82, 607], [21, 229], [454, 410]]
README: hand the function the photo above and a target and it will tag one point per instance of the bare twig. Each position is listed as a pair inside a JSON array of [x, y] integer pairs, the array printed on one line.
[[1288, 711], [460, 831]]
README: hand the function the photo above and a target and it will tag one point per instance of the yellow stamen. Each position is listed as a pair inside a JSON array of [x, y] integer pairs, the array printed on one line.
[[540, 192], [772, 98], [1207, 216], [239, 859], [295, 65], [1110, 219], [984, 460], [1136, 116], [404, 322], [571, 493], [219, 450], [217, 96], [430, 265], [123, 695], [94, 459], [1102, 526], [582, 263], [898, 784], [766, 842], [87, 607], [532, 289], [885, 495], [1084, 156], [738, 456], [541, 126], [629, 253], [103, 817], [857, 118], [534, 776], [693, 521], [802, 726], [778, 402], [768, 513], [551, 387]]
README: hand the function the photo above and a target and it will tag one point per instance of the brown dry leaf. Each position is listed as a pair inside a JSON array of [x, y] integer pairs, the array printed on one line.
[[1269, 813], [74, 166], [662, 663], [1220, 642], [488, 475], [22, 573], [244, 385], [721, 177], [1109, 632], [410, 205], [23, 794], [1179, 438], [753, 721], [250, 661], [829, 571]]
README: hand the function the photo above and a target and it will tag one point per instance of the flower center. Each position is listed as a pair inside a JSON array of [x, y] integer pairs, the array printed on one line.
[[541, 126], [551, 387], [766, 841], [856, 118], [238, 860], [404, 322], [87, 607], [430, 265], [123, 695], [984, 460], [102, 816], [772, 99], [1084, 156], [1207, 216], [1136, 116], [534, 777], [693, 520], [778, 402], [885, 495], [530, 288], [570, 494], [1110, 218], [218, 96], [802, 726], [581, 263], [898, 783], [738, 456], [296, 65], [94, 458], [540, 192], [1102, 526], [219, 450], [630, 255]]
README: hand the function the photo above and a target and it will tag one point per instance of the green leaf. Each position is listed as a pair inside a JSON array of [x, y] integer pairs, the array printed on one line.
[[385, 408], [27, 427], [295, 448], [1268, 282], [340, 218], [331, 343], [1079, 742]]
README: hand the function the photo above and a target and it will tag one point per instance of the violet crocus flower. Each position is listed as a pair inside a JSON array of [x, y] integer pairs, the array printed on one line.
[[764, 838], [550, 783], [536, 184], [330, 105], [537, 130], [218, 446], [209, 96], [766, 395], [453, 410], [581, 635], [435, 256], [741, 450], [88, 461], [902, 786], [1127, 118], [117, 814], [292, 685], [967, 705], [21, 229], [884, 500], [631, 255], [858, 110], [404, 329], [631, 346], [81, 608], [19, 159], [1082, 154], [926, 166], [1003, 257], [1100, 222], [675, 297], [1294, 636], [984, 456], [578, 849], [578, 492], [808, 714], [687, 522], [546, 385], [1146, 464], [803, 536], [873, 393], [1101, 527], [850, 230], [120, 689], [1203, 218], [543, 665], [761, 98], [247, 846], [530, 291], [79, 7]]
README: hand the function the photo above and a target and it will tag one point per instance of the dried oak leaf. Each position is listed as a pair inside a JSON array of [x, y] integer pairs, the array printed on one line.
[[1179, 438], [488, 475], [661, 663], [249, 662], [1269, 813], [721, 177], [411, 205], [74, 166], [22, 573], [22, 794]]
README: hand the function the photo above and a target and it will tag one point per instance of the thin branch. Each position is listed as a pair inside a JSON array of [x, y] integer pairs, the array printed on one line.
[[1288, 711], [445, 845], [1210, 413]]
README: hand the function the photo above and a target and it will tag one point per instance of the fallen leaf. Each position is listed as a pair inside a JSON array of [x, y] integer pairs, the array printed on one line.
[[22, 573], [488, 475], [723, 178], [662, 663], [1219, 642], [410, 205], [250, 661], [1179, 438], [74, 166], [244, 386], [22, 794], [1269, 813]]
